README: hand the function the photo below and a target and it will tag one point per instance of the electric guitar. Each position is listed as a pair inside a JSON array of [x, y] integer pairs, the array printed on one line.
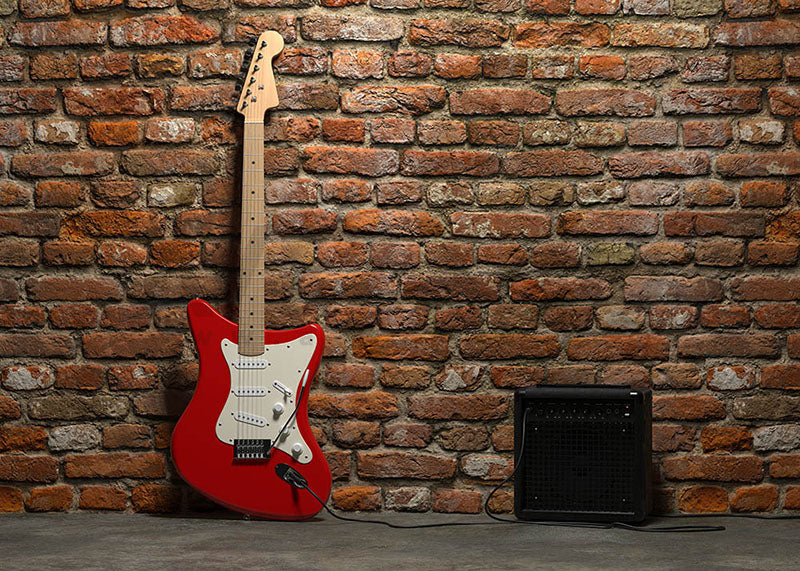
[[249, 410]]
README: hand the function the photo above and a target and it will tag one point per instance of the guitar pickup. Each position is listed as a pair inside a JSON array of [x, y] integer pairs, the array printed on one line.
[[251, 449], [249, 364]]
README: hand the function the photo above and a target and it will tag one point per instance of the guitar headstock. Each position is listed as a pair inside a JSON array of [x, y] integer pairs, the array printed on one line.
[[258, 92]]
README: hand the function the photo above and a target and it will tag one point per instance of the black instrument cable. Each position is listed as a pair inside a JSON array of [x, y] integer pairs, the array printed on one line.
[[294, 478]]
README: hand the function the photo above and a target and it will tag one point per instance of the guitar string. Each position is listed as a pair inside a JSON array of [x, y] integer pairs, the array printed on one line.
[[252, 316]]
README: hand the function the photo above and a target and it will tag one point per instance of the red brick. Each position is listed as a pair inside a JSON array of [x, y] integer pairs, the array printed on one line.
[[505, 254], [728, 345], [548, 6], [85, 163], [781, 377], [672, 288], [702, 499], [13, 194], [700, 407], [725, 316], [616, 347], [126, 436], [15, 468], [458, 407], [71, 32], [602, 7], [132, 345], [499, 66], [602, 67], [784, 466], [9, 408], [661, 34], [637, 165], [370, 404], [407, 100], [392, 222], [120, 254], [707, 134], [159, 30], [398, 192], [408, 63], [458, 318], [673, 437], [714, 468], [498, 133], [452, 287], [498, 101], [341, 160], [726, 438], [764, 33], [49, 499], [467, 33], [177, 286], [22, 438], [206, 98], [762, 253], [755, 499], [397, 347], [642, 67], [357, 498], [513, 377], [545, 35], [102, 498], [457, 501], [607, 222], [764, 287], [47, 66], [106, 66], [407, 435], [350, 375], [18, 253], [133, 377]]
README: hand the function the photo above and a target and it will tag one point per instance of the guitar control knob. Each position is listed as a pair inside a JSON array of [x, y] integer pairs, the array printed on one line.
[[297, 448], [277, 409]]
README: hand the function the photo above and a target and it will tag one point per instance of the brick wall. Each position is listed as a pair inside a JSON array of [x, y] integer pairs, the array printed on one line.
[[470, 197]]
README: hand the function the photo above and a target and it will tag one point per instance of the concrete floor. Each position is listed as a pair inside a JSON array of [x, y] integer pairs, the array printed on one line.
[[121, 542]]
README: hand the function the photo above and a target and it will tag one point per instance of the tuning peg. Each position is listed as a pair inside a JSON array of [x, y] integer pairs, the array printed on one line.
[[255, 68], [260, 56], [246, 93], [252, 81], [263, 45], [244, 104]]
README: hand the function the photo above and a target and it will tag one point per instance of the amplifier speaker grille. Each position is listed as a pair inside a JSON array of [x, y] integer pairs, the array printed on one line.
[[586, 454]]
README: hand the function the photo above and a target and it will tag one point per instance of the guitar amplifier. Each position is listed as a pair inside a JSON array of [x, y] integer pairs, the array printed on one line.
[[585, 453]]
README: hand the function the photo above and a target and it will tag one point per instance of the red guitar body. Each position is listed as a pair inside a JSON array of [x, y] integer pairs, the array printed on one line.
[[207, 463]]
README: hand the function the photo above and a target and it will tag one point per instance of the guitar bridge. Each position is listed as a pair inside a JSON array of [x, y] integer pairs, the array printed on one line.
[[251, 449]]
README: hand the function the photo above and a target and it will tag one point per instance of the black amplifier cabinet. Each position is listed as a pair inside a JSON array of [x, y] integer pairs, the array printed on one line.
[[585, 453]]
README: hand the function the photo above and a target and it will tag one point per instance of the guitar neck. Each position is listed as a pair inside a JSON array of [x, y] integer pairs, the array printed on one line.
[[251, 252]]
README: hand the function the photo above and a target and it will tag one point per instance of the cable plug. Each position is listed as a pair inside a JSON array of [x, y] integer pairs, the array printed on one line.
[[291, 476]]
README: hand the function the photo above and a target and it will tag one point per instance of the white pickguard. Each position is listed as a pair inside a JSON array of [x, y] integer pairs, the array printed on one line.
[[258, 387]]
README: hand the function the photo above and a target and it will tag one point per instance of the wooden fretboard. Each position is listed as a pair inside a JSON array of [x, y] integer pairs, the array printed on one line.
[[251, 259]]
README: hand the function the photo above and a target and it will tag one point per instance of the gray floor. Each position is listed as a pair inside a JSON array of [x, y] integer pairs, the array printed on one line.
[[119, 542]]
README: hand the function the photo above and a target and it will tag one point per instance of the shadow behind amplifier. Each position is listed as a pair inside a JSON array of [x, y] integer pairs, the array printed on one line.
[[585, 453]]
